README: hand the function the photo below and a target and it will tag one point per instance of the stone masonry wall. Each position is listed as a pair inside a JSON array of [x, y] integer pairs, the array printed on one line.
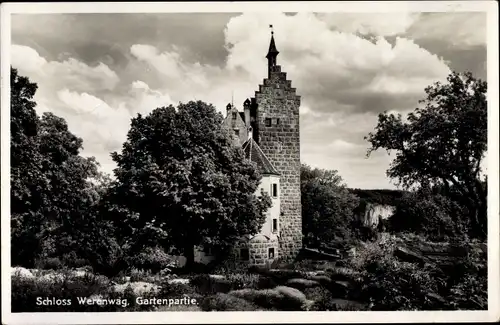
[[258, 249], [280, 142], [236, 124]]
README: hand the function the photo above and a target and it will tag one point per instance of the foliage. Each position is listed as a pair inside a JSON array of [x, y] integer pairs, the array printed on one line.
[[380, 196], [50, 263], [327, 206], [176, 290], [433, 215], [279, 298], [54, 189], [393, 285], [181, 183], [151, 258], [243, 280], [443, 143], [205, 284], [387, 283], [226, 302], [228, 266], [26, 291]]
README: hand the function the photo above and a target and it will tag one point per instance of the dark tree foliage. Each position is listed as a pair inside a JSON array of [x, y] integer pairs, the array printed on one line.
[[327, 207], [442, 143], [50, 189], [433, 215], [378, 196], [181, 183]]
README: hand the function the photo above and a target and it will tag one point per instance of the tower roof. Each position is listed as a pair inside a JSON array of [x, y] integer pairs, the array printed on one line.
[[254, 153], [273, 52]]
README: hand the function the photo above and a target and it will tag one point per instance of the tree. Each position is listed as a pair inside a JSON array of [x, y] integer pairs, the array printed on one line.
[[327, 206], [181, 183], [51, 188], [443, 143], [26, 171]]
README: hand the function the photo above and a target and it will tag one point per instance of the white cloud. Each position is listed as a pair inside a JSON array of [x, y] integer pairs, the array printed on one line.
[[26, 59], [459, 29], [70, 73], [380, 24]]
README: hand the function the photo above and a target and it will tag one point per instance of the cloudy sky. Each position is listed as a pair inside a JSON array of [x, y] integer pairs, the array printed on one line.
[[99, 70]]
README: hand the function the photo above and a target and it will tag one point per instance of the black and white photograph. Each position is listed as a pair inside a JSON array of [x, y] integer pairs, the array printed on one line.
[[250, 157]]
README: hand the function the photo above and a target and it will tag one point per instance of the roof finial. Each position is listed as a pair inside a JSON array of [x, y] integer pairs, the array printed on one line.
[[232, 98], [272, 31]]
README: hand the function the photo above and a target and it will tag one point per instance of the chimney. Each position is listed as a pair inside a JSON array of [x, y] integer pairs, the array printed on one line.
[[246, 108]]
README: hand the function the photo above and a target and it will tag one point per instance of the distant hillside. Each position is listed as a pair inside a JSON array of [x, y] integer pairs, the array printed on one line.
[[381, 196]]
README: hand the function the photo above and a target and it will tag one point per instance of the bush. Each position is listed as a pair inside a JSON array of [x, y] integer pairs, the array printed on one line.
[[281, 276], [227, 266], [105, 254], [72, 260], [279, 298], [174, 290], [226, 302], [292, 297], [49, 263], [205, 284], [469, 282], [265, 282], [393, 285], [25, 293], [137, 275], [434, 215], [152, 258], [243, 280], [302, 284], [326, 304]]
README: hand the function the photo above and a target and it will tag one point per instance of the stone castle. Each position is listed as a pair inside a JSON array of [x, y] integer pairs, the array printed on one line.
[[268, 132]]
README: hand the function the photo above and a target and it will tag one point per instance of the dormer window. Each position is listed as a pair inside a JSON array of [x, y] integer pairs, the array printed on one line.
[[234, 115], [237, 132]]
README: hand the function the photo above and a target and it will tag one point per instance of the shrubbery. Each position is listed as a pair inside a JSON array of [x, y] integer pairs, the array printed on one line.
[[226, 302], [279, 298], [387, 283], [434, 215], [151, 258]]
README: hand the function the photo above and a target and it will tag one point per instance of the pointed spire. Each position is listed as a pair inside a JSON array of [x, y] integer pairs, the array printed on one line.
[[273, 52]]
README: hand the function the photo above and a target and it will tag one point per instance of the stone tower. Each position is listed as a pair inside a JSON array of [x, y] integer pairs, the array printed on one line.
[[275, 121]]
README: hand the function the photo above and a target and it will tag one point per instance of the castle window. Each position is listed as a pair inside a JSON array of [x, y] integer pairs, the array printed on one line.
[[274, 190], [268, 121], [234, 115], [277, 121], [275, 225], [237, 132], [244, 254], [271, 252]]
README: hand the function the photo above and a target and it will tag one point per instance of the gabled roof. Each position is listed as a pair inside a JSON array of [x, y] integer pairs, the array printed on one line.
[[255, 154]]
